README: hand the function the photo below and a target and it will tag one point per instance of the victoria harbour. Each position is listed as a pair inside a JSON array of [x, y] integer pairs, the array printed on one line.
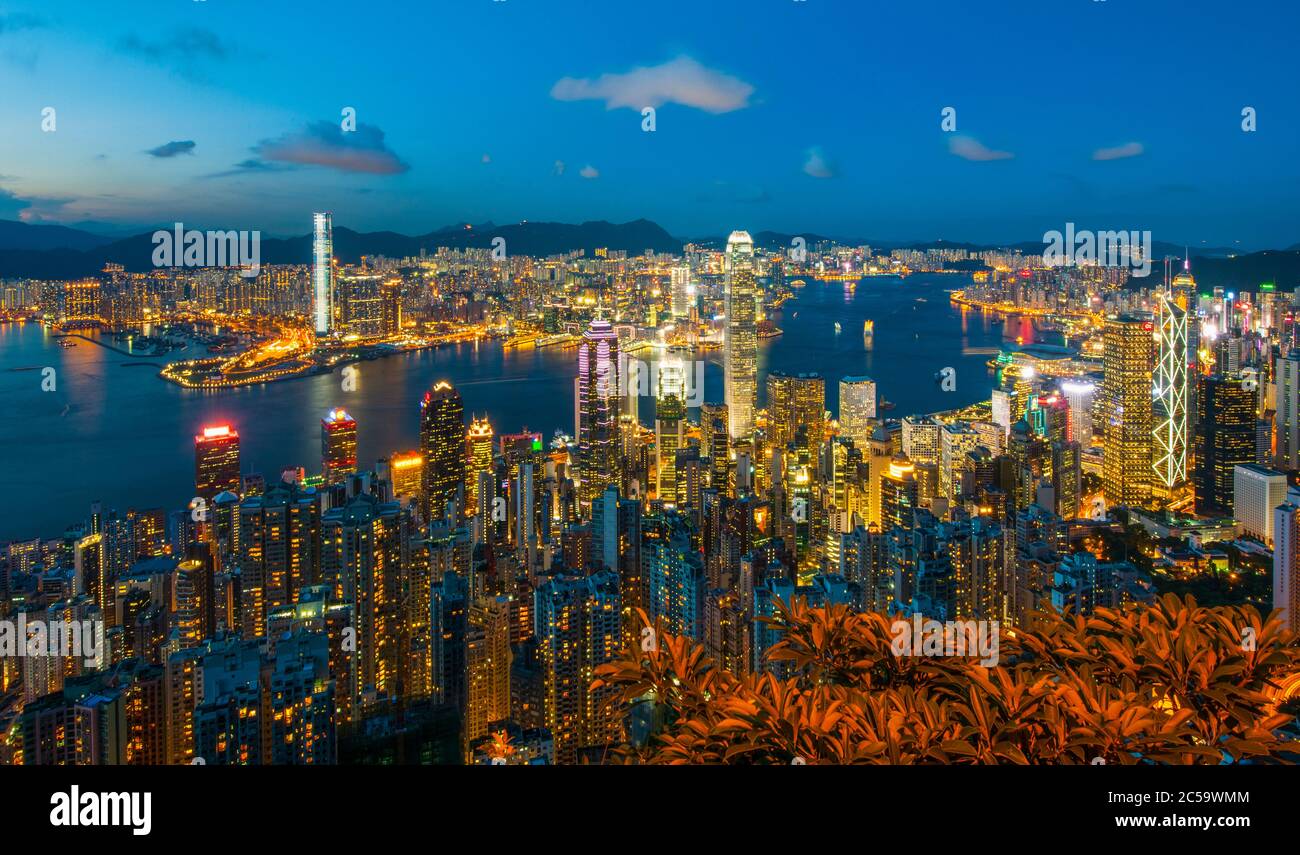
[[111, 417]]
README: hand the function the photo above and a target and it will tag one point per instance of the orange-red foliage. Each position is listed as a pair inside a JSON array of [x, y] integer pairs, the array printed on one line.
[[1168, 683]]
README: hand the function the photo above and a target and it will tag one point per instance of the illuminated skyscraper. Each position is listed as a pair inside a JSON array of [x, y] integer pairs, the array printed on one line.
[[525, 514], [279, 537], [192, 605], [899, 494], [322, 272], [921, 440], [1050, 417], [794, 402], [479, 451], [726, 635], [391, 306], [486, 490], [365, 548], [857, 409], [844, 495], [216, 461], [674, 575], [338, 444], [149, 529], [1028, 461], [1170, 405], [616, 545], [956, 440], [1225, 438], [487, 665], [1129, 355], [713, 431], [1016, 384], [407, 468], [82, 303], [690, 470], [741, 348], [578, 627], [597, 405], [442, 440], [682, 294], [670, 416], [1183, 289], [1079, 395], [975, 550], [360, 299], [93, 575]]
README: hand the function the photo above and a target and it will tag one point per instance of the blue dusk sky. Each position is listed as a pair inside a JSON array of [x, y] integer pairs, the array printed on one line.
[[819, 116]]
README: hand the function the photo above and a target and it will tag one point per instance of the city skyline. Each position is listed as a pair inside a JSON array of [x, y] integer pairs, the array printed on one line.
[[793, 383], [998, 512]]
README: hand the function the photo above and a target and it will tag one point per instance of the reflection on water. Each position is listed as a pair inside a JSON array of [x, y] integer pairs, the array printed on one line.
[[125, 437]]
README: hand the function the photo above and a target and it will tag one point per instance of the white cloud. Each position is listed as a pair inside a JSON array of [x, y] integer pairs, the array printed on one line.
[[589, 171], [1119, 152], [816, 164], [679, 81], [972, 149]]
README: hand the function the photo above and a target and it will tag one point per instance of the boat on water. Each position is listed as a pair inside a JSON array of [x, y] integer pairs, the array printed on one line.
[[67, 342], [837, 327], [868, 327]]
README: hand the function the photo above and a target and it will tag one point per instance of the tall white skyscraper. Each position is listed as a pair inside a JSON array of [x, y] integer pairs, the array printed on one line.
[[1169, 449], [857, 409], [682, 294], [741, 350], [322, 272]]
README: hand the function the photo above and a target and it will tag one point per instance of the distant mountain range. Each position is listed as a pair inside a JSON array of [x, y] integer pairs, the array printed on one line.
[[56, 252], [21, 236], [59, 252]]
